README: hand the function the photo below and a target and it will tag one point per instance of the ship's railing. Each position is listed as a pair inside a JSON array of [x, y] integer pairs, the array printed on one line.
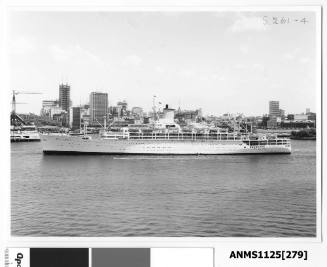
[[184, 136], [220, 136], [207, 136], [273, 142]]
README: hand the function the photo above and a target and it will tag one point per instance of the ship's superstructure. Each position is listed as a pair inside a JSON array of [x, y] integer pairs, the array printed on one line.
[[164, 136]]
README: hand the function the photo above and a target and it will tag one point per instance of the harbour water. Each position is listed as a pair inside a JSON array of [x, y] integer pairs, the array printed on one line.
[[210, 196]]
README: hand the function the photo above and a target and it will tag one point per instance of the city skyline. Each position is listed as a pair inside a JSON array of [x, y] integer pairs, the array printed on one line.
[[218, 61], [159, 105]]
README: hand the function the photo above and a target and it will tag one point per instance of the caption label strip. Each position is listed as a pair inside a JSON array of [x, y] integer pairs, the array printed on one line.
[[109, 257]]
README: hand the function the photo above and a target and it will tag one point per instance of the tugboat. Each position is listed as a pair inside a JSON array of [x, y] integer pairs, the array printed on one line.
[[24, 133]]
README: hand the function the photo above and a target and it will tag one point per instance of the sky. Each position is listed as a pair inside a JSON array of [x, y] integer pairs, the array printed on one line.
[[233, 62]]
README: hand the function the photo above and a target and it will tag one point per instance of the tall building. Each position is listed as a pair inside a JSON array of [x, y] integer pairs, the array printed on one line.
[[98, 107], [64, 97], [75, 118], [274, 114], [274, 109]]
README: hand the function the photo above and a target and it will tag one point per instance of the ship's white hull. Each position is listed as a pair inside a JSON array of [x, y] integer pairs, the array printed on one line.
[[75, 144]]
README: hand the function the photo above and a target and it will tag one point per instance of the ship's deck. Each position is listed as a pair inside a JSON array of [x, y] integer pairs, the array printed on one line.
[[250, 140]]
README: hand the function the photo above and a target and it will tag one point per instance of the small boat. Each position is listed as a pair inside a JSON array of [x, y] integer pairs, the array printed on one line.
[[24, 133]]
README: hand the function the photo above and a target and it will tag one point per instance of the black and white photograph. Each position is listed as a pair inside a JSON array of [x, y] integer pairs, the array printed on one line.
[[168, 123]]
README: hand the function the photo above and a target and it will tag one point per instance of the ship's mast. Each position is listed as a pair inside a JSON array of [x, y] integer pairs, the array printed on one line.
[[154, 107], [13, 103], [80, 116]]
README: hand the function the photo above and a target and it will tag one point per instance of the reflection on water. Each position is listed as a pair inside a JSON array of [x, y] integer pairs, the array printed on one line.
[[213, 196]]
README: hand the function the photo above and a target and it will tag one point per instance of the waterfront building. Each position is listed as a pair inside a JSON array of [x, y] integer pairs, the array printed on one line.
[[311, 116], [300, 117], [47, 107], [137, 112], [122, 106], [98, 107], [85, 114], [274, 110], [282, 113], [290, 117], [121, 111], [75, 118], [61, 118], [272, 122], [297, 124], [115, 112], [64, 102], [264, 122], [49, 103], [64, 97], [187, 116], [110, 112], [50, 108], [274, 114]]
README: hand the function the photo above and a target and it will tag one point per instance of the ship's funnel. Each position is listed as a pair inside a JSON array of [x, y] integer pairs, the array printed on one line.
[[168, 114]]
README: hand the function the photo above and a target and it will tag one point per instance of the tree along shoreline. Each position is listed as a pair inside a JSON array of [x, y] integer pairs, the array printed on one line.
[[307, 134]]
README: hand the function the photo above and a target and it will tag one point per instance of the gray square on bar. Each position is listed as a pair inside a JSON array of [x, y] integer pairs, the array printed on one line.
[[121, 257]]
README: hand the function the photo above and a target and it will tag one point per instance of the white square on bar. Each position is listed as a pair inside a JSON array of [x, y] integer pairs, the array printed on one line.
[[17, 257], [182, 257]]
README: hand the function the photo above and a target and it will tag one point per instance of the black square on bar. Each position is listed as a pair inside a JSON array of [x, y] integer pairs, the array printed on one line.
[[120, 257], [59, 257]]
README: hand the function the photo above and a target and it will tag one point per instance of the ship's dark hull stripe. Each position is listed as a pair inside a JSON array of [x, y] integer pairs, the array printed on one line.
[[152, 154]]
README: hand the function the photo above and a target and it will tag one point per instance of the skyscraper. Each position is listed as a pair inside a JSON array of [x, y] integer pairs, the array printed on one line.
[[274, 109], [64, 97], [274, 114], [98, 107], [75, 118], [64, 102]]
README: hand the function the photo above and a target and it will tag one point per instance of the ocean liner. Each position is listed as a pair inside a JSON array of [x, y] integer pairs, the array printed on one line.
[[165, 137]]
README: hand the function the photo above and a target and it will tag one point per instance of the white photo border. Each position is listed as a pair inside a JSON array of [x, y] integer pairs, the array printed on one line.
[[27, 241]]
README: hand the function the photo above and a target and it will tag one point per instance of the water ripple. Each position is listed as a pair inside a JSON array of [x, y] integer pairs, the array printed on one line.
[[210, 196]]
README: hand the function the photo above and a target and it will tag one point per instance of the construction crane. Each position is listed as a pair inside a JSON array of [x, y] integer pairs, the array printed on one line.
[[15, 92], [14, 117]]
